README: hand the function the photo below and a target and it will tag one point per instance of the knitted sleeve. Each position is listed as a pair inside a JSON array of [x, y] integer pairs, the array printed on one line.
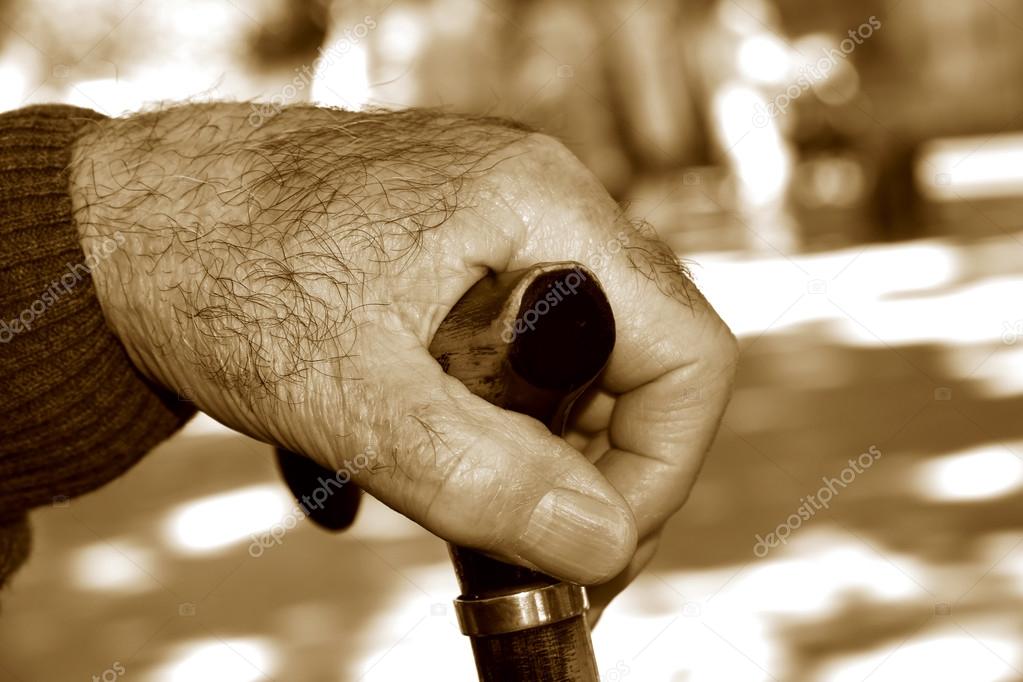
[[74, 411]]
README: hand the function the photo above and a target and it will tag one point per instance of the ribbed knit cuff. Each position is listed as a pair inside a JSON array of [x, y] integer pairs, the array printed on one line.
[[15, 542], [75, 411]]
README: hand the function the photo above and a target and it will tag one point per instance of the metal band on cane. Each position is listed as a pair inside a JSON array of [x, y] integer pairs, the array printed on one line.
[[520, 610]]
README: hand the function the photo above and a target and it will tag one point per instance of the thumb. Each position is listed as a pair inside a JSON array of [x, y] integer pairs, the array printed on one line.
[[494, 480]]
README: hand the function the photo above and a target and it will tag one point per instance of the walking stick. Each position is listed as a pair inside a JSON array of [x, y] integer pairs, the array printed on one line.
[[530, 341]]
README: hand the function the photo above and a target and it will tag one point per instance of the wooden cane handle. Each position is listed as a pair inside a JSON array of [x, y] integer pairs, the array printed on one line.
[[530, 341]]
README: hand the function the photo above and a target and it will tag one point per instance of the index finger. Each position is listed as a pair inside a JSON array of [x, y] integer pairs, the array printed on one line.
[[672, 369]]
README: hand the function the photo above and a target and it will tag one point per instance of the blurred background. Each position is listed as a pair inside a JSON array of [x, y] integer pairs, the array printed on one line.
[[846, 180]]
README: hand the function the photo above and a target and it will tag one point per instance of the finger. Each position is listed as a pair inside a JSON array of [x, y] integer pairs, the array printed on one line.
[[674, 358], [659, 434], [592, 413], [577, 440], [593, 446], [491, 479], [597, 447], [676, 379]]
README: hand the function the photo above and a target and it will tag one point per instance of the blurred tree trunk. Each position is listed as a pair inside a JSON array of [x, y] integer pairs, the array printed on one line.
[[648, 52]]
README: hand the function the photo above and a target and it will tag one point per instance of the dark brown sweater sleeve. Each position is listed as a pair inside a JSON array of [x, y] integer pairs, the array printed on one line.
[[75, 411]]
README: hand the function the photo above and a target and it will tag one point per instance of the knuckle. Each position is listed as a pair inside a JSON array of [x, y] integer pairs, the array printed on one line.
[[538, 155]]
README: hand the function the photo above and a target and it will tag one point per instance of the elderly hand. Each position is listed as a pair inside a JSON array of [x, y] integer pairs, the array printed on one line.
[[288, 277]]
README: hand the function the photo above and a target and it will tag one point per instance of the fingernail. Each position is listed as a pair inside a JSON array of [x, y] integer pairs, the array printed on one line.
[[572, 534]]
